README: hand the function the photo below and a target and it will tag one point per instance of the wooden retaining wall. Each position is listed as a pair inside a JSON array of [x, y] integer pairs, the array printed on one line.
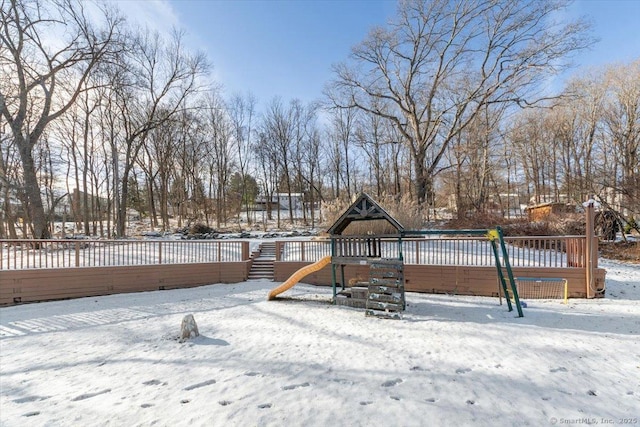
[[61, 283], [461, 280]]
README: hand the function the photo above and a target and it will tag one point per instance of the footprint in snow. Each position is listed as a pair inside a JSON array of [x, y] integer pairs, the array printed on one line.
[[391, 383], [560, 369], [202, 384], [152, 382], [342, 381], [146, 405], [365, 403], [471, 402], [224, 402], [31, 414], [252, 374], [294, 386], [395, 397], [431, 400], [89, 395], [31, 399], [462, 370], [265, 406]]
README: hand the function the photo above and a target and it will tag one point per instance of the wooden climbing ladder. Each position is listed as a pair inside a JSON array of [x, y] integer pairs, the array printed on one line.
[[386, 289]]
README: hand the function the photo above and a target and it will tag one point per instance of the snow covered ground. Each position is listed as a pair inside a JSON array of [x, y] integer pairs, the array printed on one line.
[[451, 360]]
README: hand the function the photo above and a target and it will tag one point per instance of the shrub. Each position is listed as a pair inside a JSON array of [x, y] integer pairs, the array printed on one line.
[[199, 228]]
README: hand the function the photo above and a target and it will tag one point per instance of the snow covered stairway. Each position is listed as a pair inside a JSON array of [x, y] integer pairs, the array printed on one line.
[[262, 265], [386, 289], [268, 250]]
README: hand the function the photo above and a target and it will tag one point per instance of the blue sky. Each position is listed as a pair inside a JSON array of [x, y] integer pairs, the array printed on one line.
[[286, 48]]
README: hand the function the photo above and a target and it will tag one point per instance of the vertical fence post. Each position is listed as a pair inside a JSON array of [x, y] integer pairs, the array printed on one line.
[[77, 250], [245, 251], [589, 252], [159, 252]]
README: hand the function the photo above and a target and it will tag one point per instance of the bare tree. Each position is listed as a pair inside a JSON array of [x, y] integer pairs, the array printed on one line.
[[312, 159], [373, 135], [220, 153], [342, 131], [576, 127], [10, 183], [473, 159], [440, 62], [159, 164], [45, 78], [278, 127], [621, 118], [150, 86], [532, 143], [267, 171], [242, 111]]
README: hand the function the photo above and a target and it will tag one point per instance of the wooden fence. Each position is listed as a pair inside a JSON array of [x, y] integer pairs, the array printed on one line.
[[27, 254], [542, 251], [37, 270], [462, 265]]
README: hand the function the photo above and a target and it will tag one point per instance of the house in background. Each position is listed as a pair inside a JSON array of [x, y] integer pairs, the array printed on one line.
[[281, 200], [543, 211]]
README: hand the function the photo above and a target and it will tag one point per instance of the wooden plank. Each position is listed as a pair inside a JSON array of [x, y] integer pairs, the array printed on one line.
[[395, 297], [386, 281], [389, 261], [378, 266], [51, 284], [379, 305], [359, 292], [384, 275], [384, 289], [351, 302], [384, 314]]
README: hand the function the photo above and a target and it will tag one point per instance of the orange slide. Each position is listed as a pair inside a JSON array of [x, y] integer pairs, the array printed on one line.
[[295, 277]]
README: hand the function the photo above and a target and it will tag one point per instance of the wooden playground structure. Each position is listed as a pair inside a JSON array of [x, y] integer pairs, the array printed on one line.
[[383, 294]]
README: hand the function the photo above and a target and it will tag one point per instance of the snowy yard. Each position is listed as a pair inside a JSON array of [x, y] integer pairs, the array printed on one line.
[[451, 360]]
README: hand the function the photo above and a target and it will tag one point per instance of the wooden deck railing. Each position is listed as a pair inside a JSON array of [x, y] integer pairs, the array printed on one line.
[[30, 254], [302, 250], [541, 251]]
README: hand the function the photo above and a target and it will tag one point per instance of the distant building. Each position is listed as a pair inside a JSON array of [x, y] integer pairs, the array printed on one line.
[[544, 210], [280, 199], [74, 205]]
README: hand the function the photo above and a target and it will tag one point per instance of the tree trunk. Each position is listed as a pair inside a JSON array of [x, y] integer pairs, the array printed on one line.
[[423, 184], [35, 209]]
